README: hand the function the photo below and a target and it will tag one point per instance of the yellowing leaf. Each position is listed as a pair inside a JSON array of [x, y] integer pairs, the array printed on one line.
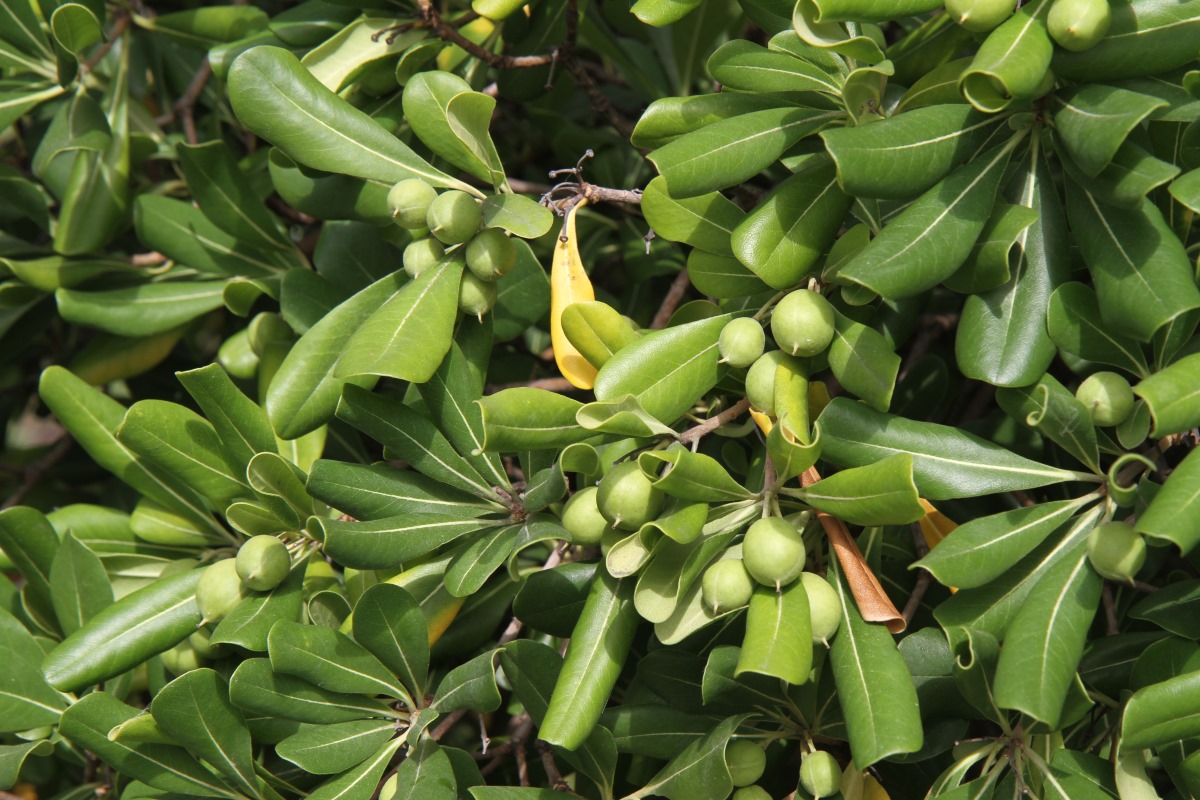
[[569, 284], [936, 526], [762, 421]]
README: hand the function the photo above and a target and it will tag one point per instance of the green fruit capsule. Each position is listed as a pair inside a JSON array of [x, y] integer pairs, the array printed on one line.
[[582, 518], [627, 498], [202, 644], [746, 761], [1116, 551], [1078, 24], [181, 658], [1107, 397], [760, 381], [262, 563], [820, 774], [773, 552], [824, 608], [741, 342], [453, 217], [219, 590], [476, 297], [752, 793], [803, 323], [980, 16], [409, 200], [491, 254], [726, 585], [421, 255]]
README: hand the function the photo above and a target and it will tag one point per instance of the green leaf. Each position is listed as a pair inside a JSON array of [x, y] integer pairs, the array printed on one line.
[[1142, 39], [30, 543], [551, 600], [239, 422], [1171, 509], [987, 267], [250, 621], [667, 370], [389, 542], [167, 768], [390, 624], [1172, 608], [1047, 637], [360, 782], [721, 276], [734, 150], [1131, 175], [21, 28], [778, 640], [1094, 120], [277, 98], [427, 774], [355, 49], [379, 491], [409, 335], [866, 10], [329, 659], [195, 710], [979, 551], [927, 241], [746, 66], [1173, 396], [470, 686], [79, 585], [471, 568], [661, 13], [452, 120], [75, 27], [1163, 712], [705, 221], [523, 295], [863, 362], [1011, 63], [13, 756], [690, 476], [205, 26], [304, 393], [1074, 323], [257, 689], [621, 417], [1052, 410], [867, 668], [699, 772], [786, 234], [1186, 190], [140, 310], [26, 700], [882, 493], [1142, 276], [330, 749], [596, 330], [326, 195], [668, 118], [947, 462], [182, 232], [123, 635], [519, 215]]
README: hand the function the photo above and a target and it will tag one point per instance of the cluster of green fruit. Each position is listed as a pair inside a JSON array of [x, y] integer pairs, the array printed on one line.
[[450, 223], [1074, 25], [820, 774]]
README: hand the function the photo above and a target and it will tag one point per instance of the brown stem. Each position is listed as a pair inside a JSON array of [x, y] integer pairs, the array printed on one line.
[[34, 472], [712, 423], [448, 32], [671, 302], [1110, 610], [446, 724], [550, 384], [923, 577], [554, 777]]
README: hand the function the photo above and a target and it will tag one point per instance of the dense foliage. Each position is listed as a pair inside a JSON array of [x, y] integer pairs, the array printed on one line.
[[827, 429]]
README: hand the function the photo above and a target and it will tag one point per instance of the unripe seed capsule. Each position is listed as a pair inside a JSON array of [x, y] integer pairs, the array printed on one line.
[[181, 658], [726, 585], [262, 563], [741, 342], [476, 297], [491, 254], [803, 323], [409, 201], [1116, 551], [980, 16], [823, 607], [773, 552], [746, 761], [422, 254], [820, 774], [583, 519], [1078, 24], [219, 590], [627, 498], [1107, 397], [454, 217]]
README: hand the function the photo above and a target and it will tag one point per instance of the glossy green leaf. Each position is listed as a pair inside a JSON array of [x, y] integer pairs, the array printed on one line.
[[327, 195], [1172, 608], [705, 222], [1075, 327], [1168, 516], [745, 66], [30, 543], [354, 49], [334, 748], [863, 362], [1047, 637], [390, 624], [409, 335], [1144, 38], [239, 422], [981, 550], [721, 276], [947, 462], [1162, 712], [360, 782], [552, 599], [79, 586], [690, 476], [1093, 120], [667, 370], [1055, 412], [987, 267], [882, 493], [1173, 396], [26, 700], [477, 562], [778, 639], [699, 771], [20, 26], [389, 542], [596, 330], [1142, 276], [257, 689], [1131, 175], [250, 621], [126, 633], [1187, 190], [75, 27], [378, 491], [784, 236], [329, 659], [206, 26], [1011, 63], [522, 296], [469, 686], [668, 118], [730, 151], [180, 230], [866, 10], [867, 668], [427, 772], [452, 120], [13, 757], [277, 98], [623, 416], [195, 710], [141, 310], [930, 239], [519, 215], [164, 767]]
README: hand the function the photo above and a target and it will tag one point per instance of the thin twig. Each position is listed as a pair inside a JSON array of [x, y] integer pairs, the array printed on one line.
[[34, 472], [446, 724], [557, 783], [923, 577], [450, 33], [1110, 611], [712, 423], [674, 297]]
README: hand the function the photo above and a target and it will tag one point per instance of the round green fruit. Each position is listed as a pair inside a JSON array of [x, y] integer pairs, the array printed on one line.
[[820, 774], [1116, 551], [726, 585], [491, 254], [181, 658], [773, 552], [476, 297], [760, 381], [1078, 24], [582, 518], [318, 576], [980, 16], [803, 323], [219, 590], [421, 255], [408, 201], [742, 341], [823, 607], [1107, 397], [453, 217], [751, 793], [746, 761], [627, 498], [262, 563]]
